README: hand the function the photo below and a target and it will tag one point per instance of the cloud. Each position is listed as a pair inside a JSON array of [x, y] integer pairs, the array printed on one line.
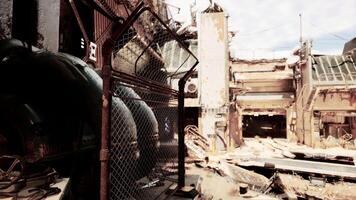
[[271, 27]]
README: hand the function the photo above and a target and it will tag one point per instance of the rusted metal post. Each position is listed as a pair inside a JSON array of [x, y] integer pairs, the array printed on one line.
[[181, 145], [107, 48], [82, 29], [181, 118], [105, 125]]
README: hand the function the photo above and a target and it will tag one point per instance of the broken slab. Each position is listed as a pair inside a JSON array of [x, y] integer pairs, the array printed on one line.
[[254, 147], [323, 168], [281, 149], [242, 175], [291, 185], [309, 151], [214, 186]]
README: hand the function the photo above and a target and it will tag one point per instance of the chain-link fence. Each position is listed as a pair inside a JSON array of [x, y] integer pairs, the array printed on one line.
[[143, 119]]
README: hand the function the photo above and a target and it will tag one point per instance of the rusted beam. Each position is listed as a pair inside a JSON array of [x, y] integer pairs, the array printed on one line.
[[151, 52], [145, 83], [105, 131], [82, 29], [181, 145]]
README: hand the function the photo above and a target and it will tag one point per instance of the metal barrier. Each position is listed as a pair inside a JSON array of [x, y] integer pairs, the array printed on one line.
[[142, 152]]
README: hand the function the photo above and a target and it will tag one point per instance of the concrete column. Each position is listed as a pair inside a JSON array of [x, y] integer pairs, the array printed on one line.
[[290, 124], [308, 121], [353, 127], [6, 18], [48, 24], [213, 76]]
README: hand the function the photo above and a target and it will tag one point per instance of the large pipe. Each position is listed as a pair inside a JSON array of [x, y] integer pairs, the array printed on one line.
[[62, 88], [146, 123], [65, 91], [147, 129]]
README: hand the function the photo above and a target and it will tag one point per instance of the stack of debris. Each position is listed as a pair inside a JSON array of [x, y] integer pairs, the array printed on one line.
[[278, 169], [295, 186], [196, 143]]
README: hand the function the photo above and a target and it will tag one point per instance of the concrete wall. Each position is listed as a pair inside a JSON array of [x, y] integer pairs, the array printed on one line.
[[335, 101], [5, 18]]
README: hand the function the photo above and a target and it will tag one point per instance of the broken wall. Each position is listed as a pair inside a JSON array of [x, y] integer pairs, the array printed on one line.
[[262, 88]]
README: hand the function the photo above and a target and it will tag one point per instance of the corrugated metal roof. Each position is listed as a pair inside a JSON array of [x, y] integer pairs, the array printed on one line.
[[334, 68]]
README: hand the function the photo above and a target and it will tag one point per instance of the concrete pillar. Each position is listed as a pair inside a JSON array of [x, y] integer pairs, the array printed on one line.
[[48, 24], [291, 124], [6, 18], [353, 127], [213, 76], [308, 129]]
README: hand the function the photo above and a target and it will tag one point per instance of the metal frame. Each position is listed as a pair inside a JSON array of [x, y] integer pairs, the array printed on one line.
[[332, 77], [102, 8]]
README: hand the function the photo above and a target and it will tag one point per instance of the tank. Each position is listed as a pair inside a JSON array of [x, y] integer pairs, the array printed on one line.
[[124, 150], [145, 120], [62, 93], [147, 130]]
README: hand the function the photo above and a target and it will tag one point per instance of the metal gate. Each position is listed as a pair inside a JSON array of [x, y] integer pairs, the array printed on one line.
[[142, 153]]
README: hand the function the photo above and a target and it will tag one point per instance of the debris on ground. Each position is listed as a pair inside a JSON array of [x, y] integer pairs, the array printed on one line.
[[242, 175], [266, 168], [281, 148], [196, 143], [294, 185], [215, 187]]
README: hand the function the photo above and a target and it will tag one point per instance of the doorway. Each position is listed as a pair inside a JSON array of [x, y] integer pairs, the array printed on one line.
[[264, 126]]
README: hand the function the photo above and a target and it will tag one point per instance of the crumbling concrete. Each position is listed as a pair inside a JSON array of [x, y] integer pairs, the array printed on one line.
[[215, 187], [213, 77]]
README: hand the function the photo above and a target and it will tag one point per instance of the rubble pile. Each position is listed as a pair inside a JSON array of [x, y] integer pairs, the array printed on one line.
[[296, 186], [276, 169]]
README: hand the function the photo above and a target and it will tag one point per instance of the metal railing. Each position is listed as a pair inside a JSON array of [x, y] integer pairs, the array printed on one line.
[[142, 150]]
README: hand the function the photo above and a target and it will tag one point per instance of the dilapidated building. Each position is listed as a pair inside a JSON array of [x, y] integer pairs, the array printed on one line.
[[306, 100], [262, 93], [132, 93], [325, 102]]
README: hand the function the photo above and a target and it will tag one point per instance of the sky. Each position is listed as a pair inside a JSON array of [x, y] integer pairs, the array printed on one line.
[[271, 28]]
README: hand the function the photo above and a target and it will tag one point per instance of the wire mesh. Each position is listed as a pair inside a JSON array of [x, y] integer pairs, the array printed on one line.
[[144, 109]]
